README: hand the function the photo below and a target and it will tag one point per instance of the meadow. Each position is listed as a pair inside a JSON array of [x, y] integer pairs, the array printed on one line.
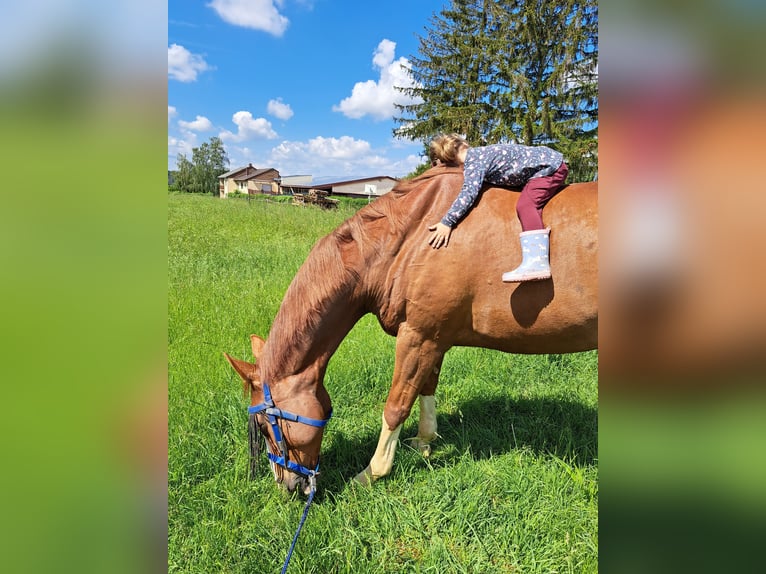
[[511, 484]]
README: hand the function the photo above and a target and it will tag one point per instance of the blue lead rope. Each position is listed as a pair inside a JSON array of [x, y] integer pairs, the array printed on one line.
[[300, 525]]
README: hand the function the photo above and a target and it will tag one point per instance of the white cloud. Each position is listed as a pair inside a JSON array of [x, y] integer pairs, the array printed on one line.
[[256, 14], [201, 124], [248, 128], [242, 156], [377, 98], [326, 158], [342, 158], [183, 65], [344, 147], [279, 109], [171, 113], [384, 54], [180, 146], [320, 154]]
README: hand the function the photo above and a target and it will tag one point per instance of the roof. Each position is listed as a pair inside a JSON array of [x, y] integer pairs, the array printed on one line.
[[360, 180], [232, 172], [250, 166], [327, 186], [246, 176], [320, 186]]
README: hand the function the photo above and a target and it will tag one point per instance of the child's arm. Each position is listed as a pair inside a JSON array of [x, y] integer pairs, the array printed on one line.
[[474, 171]]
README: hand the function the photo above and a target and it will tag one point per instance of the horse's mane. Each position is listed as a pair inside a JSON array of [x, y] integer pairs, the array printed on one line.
[[332, 269], [392, 211], [322, 278], [407, 185]]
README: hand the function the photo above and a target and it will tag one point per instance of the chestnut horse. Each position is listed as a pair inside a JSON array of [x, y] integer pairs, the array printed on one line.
[[379, 261]]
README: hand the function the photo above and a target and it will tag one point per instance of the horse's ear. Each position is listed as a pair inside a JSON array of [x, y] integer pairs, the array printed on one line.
[[247, 371], [257, 344]]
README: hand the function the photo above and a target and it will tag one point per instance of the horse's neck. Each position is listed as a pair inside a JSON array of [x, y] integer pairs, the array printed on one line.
[[342, 279], [317, 312]]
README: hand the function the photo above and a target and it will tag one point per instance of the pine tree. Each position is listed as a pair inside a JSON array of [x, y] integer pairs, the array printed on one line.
[[453, 74], [510, 70]]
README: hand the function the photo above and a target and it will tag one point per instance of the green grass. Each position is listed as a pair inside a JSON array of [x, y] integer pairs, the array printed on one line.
[[511, 485]]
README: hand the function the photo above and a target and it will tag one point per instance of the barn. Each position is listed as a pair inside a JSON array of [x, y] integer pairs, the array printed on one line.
[[368, 187]]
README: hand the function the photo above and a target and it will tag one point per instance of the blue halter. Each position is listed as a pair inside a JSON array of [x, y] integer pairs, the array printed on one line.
[[273, 414]]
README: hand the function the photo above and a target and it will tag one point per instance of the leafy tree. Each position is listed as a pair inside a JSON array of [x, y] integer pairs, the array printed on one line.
[[200, 175], [184, 170], [509, 70]]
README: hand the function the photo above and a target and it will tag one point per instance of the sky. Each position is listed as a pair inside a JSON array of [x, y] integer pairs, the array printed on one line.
[[303, 86]]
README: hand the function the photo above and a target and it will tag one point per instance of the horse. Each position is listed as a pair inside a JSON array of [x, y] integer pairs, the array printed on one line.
[[378, 261]]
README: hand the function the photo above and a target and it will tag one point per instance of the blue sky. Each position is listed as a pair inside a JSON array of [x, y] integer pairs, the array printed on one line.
[[304, 86]]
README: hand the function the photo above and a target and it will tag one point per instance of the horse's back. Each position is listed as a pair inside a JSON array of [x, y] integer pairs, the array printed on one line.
[[456, 293]]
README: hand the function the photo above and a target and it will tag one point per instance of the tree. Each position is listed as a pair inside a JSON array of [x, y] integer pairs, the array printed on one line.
[[184, 170], [509, 70], [200, 175], [453, 74]]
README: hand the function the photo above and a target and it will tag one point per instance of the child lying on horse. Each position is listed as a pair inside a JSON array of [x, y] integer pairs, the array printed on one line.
[[539, 169]]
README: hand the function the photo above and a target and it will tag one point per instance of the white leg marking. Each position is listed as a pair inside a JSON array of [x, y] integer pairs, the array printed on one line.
[[426, 426], [383, 459]]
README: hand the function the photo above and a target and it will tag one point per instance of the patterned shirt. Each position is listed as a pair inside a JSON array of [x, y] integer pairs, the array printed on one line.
[[507, 165]]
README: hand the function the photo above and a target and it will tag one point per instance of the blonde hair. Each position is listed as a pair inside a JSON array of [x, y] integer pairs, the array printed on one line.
[[446, 147]]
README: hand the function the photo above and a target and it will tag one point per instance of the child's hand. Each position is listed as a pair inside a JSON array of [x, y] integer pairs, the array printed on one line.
[[440, 235]]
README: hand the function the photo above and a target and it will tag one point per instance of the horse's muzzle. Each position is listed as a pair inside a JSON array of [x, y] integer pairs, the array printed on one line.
[[295, 482]]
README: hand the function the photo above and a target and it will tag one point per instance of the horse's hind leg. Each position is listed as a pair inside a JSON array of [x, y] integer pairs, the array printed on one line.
[[417, 364], [427, 424]]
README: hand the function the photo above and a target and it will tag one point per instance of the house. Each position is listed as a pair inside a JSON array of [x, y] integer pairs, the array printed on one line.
[[248, 179], [368, 187]]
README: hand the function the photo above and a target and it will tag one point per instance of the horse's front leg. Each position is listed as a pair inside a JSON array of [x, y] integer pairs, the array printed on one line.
[[417, 362], [383, 459]]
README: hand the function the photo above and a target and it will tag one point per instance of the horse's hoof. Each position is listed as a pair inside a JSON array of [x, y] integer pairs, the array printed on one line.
[[365, 478], [421, 445]]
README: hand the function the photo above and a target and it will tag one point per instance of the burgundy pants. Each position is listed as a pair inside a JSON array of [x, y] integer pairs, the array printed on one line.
[[536, 193]]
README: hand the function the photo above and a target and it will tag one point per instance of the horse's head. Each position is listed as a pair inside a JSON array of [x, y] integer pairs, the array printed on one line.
[[290, 416]]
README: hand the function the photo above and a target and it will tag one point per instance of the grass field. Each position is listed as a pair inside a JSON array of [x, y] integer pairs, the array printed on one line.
[[511, 485]]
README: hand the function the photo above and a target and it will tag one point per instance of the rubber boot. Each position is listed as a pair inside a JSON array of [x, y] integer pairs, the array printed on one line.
[[535, 264]]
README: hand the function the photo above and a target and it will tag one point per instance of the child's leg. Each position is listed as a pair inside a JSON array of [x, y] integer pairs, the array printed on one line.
[[536, 193]]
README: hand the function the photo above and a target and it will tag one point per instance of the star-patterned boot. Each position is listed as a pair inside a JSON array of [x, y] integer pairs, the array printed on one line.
[[535, 264]]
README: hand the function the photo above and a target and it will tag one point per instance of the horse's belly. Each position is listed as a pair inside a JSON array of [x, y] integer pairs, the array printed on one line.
[[529, 330]]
